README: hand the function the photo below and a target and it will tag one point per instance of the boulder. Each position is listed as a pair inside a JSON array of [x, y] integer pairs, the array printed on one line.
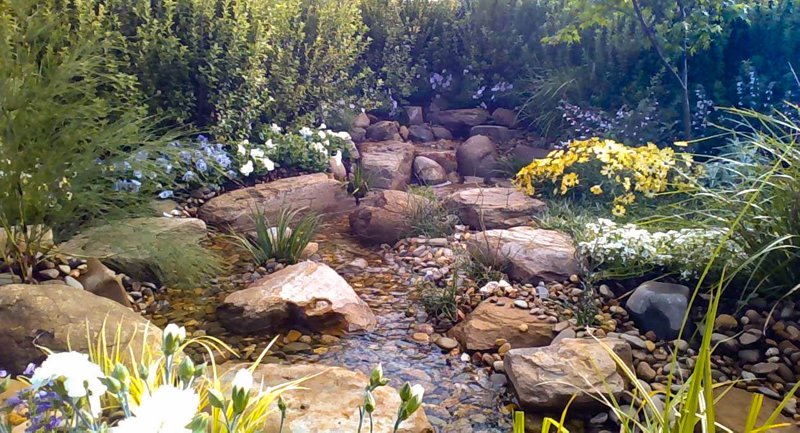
[[428, 171], [504, 117], [547, 377], [659, 307], [493, 208], [492, 321], [358, 135], [531, 255], [420, 133], [127, 245], [498, 134], [388, 164], [328, 401], [444, 157], [460, 120], [523, 155], [383, 131], [441, 133], [413, 115], [361, 121], [307, 295], [385, 220], [312, 192], [101, 281], [477, 157], [60, 318]]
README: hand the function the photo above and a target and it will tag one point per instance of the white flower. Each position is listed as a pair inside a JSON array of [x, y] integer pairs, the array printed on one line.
[[305, 132], [257, 153], [275, 128], [323, 126], [243, 380], [268, 164], [417, 391], [167, 410], [241, 149], [319, 147], [321, 134], [80, 376], [177, 332], [247, 168], [269, 144], [337, 157]]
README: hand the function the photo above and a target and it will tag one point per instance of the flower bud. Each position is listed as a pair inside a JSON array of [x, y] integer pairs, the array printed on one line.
[[405, 392], [369, 402], [215, 399], [281, 404], [121, 373], [186, 370]]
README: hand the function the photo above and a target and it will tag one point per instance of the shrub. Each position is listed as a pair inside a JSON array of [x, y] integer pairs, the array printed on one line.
[[606, 168], [67, 121], [283, 242], [429, 217]]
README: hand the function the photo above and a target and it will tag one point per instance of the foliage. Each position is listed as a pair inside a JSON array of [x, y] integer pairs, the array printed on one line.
[[357, 183], [482, 267], [112, 390], [759, 176], [629, 251], [606, 168], [284, 241], [66, 121], [442, 302], [428, 216]]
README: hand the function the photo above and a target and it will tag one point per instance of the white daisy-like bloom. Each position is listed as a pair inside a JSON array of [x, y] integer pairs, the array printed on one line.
[[241, 149], [81, 377], [247, 168], [305, 132], [267, 163], [257, 153], [243, 380], [167, 410]]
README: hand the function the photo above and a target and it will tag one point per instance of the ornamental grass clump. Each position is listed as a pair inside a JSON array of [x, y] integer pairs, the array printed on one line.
[[608, 171], [284, 241]]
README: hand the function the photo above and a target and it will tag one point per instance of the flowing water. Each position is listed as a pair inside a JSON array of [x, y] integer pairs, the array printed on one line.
[[459, 396]]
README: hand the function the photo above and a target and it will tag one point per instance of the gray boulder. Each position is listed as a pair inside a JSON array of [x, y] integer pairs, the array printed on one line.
[[659, 307], [383, 131], [428, 171], [477, 157], [387, 164], [420, 133]]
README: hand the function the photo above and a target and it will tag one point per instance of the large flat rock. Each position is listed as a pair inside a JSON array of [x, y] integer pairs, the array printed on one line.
[[387, 164], [127, 245], [547, 377], [60, 318], [307, 295], [328, 402], [312, 192], [531, 255], [493, 208]]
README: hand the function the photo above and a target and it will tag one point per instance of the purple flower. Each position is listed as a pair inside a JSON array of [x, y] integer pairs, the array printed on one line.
[[201, 165], [29, 369], [165, 194], [3, 374], [188, 176]]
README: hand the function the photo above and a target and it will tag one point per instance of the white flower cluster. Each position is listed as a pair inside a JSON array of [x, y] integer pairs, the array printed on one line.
[[628, 246]]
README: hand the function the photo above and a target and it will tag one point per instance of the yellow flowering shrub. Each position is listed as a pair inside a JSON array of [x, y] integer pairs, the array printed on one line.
[[607, 169]]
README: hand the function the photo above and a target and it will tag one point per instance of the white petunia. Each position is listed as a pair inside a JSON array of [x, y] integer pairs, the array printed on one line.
[[81, 377], [305, 132], [177, 332], [241, 149], [257, 153], [247, 168], [269, 144], [267, 163], [275, 128], [167, 410]]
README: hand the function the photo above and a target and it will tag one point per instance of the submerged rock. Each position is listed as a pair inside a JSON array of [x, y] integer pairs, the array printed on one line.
[[547, 377], [490, 322], [307, 294], [60, 318]]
